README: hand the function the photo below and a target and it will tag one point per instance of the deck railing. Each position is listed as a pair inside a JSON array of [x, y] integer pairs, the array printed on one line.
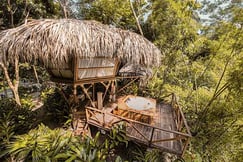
[[180, 120], [148, 139]]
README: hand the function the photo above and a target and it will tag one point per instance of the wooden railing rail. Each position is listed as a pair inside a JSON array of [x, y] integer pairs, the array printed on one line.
[[179, 115], [137, 122], [131, 124], [183, 137], [181, 120]]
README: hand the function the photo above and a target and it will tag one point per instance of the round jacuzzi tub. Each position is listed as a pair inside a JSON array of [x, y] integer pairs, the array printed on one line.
[[139, 103]]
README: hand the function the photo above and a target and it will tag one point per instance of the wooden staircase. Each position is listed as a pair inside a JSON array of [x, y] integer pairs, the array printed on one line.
[[79, 124]]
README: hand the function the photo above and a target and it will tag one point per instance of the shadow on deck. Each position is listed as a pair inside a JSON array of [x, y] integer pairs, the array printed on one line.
[[168, 130]]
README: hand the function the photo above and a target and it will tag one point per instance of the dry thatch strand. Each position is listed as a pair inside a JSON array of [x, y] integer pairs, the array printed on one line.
[[55, 42]]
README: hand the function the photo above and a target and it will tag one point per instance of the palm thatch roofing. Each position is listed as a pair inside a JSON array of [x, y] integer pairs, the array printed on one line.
[[52, 42]]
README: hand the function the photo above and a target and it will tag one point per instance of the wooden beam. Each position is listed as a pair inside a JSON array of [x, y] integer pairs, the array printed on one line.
[[106, 88], [127, 85], [87, 94], [75, 71], [138, 131], [100, 100], [95, 80], [128, 77], [185, 123], [93, 86], [169, 139], [101, 67]]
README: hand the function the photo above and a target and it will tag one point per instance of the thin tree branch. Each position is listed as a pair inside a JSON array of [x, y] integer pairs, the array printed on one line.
[[136, 18]]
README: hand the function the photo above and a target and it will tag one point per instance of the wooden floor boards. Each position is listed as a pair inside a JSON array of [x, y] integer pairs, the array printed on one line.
[[163, 118]]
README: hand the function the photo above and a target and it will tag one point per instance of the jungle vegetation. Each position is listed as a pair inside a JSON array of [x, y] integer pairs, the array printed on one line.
[[202, 47]]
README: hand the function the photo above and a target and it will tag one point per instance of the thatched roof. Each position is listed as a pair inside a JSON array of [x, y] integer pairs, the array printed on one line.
[[55, 42]]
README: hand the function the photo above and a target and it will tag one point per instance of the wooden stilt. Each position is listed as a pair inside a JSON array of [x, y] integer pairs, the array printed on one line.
[[113, 91], [100, 100], [93, 86], [75, 93]]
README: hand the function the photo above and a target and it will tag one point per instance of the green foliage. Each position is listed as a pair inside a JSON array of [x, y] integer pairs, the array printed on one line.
[[27, 102], [46, 93], [39, 144], [7, 129], [15, 12], [117, 136], [173, 25], [44, 144], [202, 65], [14, 120], [151, 155], [236, 78], [205, 73], [114, 12], [22, 119], [57, 109]]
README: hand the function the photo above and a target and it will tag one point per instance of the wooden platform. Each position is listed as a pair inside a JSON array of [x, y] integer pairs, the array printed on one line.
[[165, 120], [168, 130]]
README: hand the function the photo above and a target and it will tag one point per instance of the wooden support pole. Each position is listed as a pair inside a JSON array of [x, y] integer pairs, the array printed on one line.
[[100, 100], [151, 137], [75, 93], [93, 86], [113, 92], [103, 119]]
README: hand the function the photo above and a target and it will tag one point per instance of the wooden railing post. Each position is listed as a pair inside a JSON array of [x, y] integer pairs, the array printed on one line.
[[151, 137], [103, 118], [172, 100]]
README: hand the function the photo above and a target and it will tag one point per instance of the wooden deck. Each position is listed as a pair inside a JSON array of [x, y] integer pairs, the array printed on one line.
[[168, 131]]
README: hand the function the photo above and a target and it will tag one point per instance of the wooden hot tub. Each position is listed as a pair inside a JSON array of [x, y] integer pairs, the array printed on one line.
[[136, 108]]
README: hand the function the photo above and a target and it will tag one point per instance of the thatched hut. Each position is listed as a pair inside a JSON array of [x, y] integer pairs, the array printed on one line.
[[74, 50], [88, 54]]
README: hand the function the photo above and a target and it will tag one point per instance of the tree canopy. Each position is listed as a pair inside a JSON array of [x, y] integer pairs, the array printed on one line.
[[202, 42]]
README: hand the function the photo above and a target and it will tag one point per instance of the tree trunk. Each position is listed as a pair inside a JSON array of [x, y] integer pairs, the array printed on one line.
[[11, 12], [16, 84], [64, 5], [16, 96], [13, 86], [36, 75]]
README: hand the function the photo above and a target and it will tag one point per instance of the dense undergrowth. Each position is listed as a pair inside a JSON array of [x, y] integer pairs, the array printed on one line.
[[28, 136]]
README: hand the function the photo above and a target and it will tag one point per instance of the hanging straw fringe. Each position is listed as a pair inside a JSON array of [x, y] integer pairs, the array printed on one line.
[[53, 43]]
